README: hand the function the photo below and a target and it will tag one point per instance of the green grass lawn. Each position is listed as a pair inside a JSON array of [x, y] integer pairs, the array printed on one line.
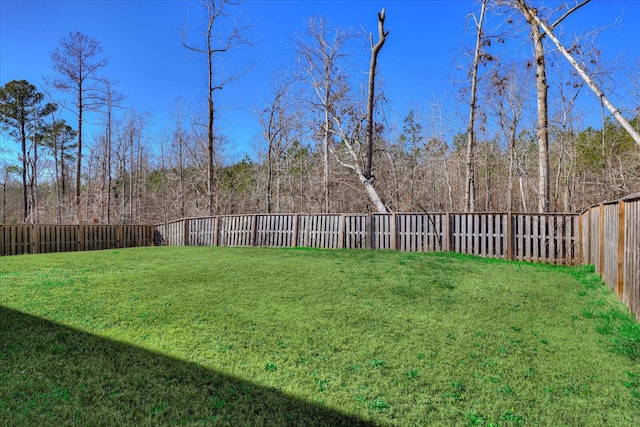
[[257, 336]]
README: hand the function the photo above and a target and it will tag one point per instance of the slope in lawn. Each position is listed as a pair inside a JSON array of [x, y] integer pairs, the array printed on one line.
[[385, 337]]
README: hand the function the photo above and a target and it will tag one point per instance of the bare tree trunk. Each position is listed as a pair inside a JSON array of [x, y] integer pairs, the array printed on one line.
[[470, 187], [541, 90], [63, 184], [25, 203], [543, 125], [510, 180], [108, 169], [375, 50], [269, 179], [34, 190], [325, 160], [4, 195], [163, 177], [448, 180], [210, 116], [79, 153], [181, 175], [368, 185], [56, 178], [215, 45], [367, 178], [131, 167], [111, 99], [531, 16], [521, 185]]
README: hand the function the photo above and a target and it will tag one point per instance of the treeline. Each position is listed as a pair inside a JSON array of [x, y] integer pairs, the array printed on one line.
[[414, 174], [315, 153]]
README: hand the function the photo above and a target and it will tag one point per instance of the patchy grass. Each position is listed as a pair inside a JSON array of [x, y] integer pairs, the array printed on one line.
[[251, 336]]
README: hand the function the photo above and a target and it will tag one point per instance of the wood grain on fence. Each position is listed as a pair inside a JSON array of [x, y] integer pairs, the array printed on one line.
[[631, 262], [609, 246], [611, 242]]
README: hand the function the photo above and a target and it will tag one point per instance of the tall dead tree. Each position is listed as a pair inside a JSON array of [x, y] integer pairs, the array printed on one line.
[[375, 50], [218, 40], [365, 176], [470, 186], [537, 34]]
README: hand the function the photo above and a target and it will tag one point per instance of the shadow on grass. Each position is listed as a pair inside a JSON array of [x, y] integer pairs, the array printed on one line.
[[55, 375]]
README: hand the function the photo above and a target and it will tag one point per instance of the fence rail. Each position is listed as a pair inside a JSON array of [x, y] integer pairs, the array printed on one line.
[[35, 239], [553, 238], [611, 242]]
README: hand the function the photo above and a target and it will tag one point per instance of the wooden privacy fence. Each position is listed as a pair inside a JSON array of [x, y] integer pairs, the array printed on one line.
[[611, 242], [527, 237], [34, 239], [606, 235]]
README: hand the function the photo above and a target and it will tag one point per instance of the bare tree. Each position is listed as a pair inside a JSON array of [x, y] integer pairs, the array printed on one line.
[[110, 99], [180, 147], [508, 97], [470, 186], [548, 29], [365, 176], [320, 58], [217, 42], [375, 50], [537, 33], [280, 120]]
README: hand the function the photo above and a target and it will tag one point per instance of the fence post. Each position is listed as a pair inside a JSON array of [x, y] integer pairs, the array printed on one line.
[[510, 236], [393, 241], [580, 240], [185, 230], [370, 237], [216, 231], [294, 237], [341, 231], [621, 233], [36, 239], [80, 238], [447, 233], [600, 268], [587, 252], [151, 233], [254, 230], [120, 236]]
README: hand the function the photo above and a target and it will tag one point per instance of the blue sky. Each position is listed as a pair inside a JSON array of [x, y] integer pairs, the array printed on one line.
[[142, 40]]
